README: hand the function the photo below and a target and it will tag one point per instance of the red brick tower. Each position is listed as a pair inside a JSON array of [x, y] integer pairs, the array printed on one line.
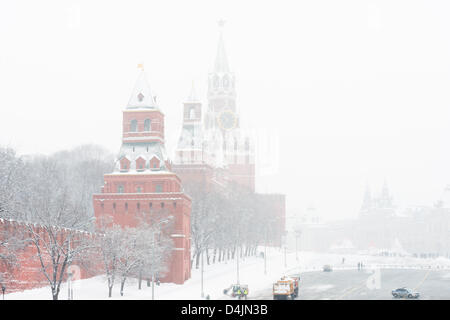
[[142, 182]]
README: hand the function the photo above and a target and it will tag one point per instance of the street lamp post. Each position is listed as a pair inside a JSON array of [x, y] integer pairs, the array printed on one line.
[[153, 254], [265, 255], [153, 285], [297, 235], [69, 286], [283, 246], [202, 293], [237, 265]]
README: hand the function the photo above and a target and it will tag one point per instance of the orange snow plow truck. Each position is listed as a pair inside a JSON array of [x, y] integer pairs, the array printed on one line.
[[285, 288]]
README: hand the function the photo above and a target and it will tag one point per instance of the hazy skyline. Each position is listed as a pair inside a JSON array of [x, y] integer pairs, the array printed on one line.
[[355, 91]]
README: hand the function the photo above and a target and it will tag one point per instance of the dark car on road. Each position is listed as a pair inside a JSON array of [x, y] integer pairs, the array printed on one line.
[[405, 293], [327, 268]]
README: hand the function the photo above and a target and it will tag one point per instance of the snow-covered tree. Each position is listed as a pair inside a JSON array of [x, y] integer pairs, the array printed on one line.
[[11, 244], [141, 252], [154, 244], [13, 185], [109, 243], [57, 220]]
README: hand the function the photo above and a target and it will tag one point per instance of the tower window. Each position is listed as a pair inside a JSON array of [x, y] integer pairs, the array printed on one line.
[[138, 190], [192, 113], [140, 97], [147, 125], [162, 204], [133, 125], [138, 206], [216, 81], [225, 82], [150, 205], [120, 189], [159, 188], [114, 207], [126, 206]]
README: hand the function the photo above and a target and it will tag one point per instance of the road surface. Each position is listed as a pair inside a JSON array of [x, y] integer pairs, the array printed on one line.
[[368, 285]]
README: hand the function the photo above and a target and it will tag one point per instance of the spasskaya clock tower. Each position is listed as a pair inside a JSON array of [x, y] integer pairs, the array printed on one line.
[[228, 145]]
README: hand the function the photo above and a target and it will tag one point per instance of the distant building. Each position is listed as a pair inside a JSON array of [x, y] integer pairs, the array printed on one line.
[[384, 229], [380, 205]]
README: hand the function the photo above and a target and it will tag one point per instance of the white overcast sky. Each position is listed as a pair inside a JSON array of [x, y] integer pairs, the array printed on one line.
[[354, 91]]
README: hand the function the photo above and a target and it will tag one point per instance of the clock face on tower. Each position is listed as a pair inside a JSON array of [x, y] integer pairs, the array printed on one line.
[[227, 120]]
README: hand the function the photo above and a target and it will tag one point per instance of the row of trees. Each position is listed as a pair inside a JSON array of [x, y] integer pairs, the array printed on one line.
[[53, 194], [226, 223]]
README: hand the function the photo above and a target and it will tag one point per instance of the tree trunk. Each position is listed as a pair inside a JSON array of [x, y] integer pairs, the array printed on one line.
[[55, 294], [148, 282], [140, 280], [110, 291], [122, 285], [197, 260]]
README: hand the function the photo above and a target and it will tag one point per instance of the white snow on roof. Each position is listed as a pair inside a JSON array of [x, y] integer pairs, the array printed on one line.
[[142, 96]]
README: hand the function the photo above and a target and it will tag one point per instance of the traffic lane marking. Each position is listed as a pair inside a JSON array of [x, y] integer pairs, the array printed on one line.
[[351, 290], [423, 280]]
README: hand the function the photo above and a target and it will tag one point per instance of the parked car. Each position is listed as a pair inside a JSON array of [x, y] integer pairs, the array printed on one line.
[[327, 268], [405, 293]]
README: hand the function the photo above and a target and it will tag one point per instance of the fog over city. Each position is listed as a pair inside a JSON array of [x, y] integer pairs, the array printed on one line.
[[354, 92]]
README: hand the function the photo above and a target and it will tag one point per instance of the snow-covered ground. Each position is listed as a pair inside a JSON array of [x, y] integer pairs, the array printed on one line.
[[220, 276]]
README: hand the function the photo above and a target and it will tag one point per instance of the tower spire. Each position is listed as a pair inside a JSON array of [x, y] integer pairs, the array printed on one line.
[[367, 200], [141, 96], [192, 95], [221, 63]]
